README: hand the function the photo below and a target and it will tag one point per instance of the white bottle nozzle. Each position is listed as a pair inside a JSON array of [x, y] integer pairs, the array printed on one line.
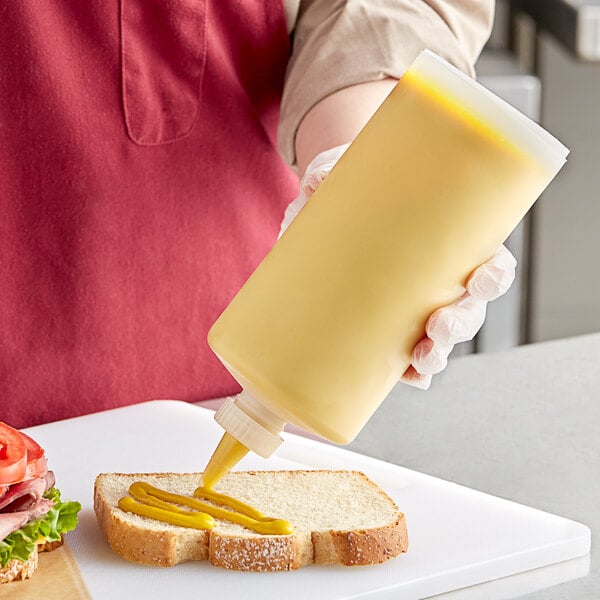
[[251, 423]]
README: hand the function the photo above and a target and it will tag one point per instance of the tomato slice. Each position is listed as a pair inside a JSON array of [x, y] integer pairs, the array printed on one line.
[[36, 458], [13, 455]]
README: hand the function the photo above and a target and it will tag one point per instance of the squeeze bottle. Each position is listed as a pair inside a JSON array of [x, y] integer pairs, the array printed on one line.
[[325, 326]]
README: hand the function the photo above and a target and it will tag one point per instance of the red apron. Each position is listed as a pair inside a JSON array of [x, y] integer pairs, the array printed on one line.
[[140, 185]]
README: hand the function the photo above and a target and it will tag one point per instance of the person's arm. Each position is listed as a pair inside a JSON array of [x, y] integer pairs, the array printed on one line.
[[338, 118], [347, 54]]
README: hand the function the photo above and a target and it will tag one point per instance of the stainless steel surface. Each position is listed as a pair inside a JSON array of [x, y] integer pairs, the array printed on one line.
[[575, 23], [522, 424]]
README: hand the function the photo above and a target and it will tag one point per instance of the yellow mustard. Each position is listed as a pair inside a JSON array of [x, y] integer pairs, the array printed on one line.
[[154, 503], [227, 454]]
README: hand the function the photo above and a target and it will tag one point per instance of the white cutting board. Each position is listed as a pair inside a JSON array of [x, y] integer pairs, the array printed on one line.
[[458, 537]]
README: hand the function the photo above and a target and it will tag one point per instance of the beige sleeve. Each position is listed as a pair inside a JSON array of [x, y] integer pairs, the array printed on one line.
[[339, 43]]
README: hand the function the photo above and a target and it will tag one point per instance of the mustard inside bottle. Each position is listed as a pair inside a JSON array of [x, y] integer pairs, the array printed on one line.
[[324, 328]]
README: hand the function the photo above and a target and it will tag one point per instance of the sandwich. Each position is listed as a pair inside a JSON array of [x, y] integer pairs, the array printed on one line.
[[33, 518], [332, 517]]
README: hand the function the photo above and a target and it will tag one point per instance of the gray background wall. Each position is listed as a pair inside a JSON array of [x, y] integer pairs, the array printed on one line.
[[559, 274], [565, 276]]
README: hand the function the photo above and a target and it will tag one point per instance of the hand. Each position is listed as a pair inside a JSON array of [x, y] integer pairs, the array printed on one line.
[[461, 320], [315, 172], [447, 326]]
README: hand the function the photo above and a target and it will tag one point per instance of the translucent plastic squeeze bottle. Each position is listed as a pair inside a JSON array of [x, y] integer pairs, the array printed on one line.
[[325, 326]]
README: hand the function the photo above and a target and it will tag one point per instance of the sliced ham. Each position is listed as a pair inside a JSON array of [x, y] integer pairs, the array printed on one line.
[[11, 521], [23, 496], [50, 480]]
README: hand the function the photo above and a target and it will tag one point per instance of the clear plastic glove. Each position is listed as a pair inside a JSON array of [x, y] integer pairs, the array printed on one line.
[[316, 171], [461, 320], [447, 326]]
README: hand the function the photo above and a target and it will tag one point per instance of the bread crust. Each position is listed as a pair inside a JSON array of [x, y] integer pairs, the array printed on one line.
[[16, 570], [49, 546], [163, 548], [370, 546], [267, 553], [253, 553]]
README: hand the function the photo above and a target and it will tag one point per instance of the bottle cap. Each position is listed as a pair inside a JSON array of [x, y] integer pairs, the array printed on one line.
[[251, 423]]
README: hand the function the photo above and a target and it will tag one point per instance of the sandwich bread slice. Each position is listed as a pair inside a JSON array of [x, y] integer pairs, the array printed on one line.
[[338, 517]]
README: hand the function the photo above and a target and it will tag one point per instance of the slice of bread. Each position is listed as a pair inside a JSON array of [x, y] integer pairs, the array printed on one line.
[[338, 517], [19, 569], [23, 569]]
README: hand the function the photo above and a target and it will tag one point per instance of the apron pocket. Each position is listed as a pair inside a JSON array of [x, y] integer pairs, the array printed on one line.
[[163, 53]]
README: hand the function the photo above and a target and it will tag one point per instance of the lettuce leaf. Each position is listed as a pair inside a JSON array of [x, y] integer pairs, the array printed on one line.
[[62, 517]]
